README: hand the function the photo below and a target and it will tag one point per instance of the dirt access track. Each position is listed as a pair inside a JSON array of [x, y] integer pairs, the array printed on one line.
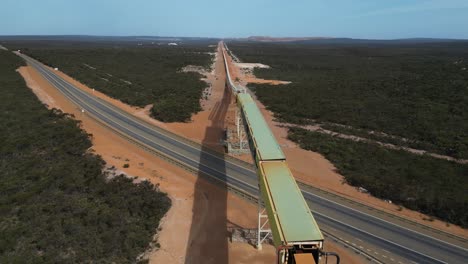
[[196, 228]]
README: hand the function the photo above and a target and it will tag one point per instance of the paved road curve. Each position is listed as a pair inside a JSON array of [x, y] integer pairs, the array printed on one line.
[[406, 244]]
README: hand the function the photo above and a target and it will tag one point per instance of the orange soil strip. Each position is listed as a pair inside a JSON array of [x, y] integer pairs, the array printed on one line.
[[314, 169], [31, 83]]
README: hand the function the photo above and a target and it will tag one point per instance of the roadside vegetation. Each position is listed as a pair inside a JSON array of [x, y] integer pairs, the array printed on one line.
[[432, 186], [413, 91], [137, 76], [56, 203]]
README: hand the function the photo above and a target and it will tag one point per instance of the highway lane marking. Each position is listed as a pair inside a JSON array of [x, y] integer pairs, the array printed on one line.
[[380, 238], [356, 250], [376, 237], [363, 207], [374, 217]]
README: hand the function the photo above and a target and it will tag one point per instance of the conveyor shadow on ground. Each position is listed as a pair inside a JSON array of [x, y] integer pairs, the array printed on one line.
[[208, 238]]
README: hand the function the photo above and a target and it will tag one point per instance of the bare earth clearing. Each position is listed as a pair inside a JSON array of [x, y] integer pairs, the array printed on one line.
[[246, 69]]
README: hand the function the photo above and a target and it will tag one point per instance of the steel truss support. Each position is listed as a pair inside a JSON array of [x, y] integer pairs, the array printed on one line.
[[240, 128], [262, 232]]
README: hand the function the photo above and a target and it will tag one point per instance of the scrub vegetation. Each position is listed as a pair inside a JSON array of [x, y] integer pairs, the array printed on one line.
[[416, 94], [56, 203], [432, 186], [137, 76], [414, 91]]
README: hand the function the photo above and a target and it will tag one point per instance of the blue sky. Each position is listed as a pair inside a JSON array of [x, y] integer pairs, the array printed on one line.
[[378, 19]]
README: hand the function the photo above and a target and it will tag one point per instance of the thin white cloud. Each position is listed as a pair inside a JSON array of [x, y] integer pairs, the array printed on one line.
[[419, 7]]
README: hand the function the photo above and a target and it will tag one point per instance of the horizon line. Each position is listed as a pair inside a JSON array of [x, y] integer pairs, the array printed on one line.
[[253, 36]]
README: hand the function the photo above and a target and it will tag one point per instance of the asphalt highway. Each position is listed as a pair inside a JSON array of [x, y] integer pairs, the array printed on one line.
[[406, 245]]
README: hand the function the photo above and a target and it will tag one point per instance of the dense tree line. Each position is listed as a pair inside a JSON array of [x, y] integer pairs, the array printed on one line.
[[56, 203], [137, 76], [433, 186], [415, 91]]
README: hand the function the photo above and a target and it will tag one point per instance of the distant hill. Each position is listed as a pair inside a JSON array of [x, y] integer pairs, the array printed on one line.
[[283, 39], [334, 40], [380, 41]]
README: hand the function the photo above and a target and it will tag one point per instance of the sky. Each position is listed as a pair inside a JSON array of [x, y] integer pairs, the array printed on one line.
[[372, 19]]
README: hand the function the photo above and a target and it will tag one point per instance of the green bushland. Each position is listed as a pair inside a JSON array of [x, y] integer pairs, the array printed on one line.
[[414, 91], [56, 203], [432, 186], [137, 76]]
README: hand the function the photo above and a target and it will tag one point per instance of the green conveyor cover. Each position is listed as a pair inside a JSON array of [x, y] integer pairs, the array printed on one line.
[[295, 219], [266, 145]]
